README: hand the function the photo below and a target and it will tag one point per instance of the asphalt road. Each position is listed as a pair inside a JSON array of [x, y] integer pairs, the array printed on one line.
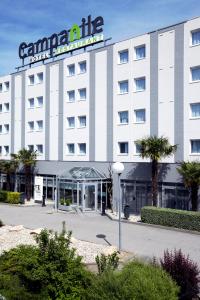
[[144, 241]]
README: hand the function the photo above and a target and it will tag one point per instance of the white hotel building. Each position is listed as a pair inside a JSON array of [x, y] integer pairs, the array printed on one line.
[[90, 108]]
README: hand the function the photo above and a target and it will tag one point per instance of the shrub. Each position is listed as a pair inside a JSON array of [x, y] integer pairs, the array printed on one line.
[[105, 263], [171, 217], [184, 271], [50, 270], [13, 197], [1, 223], [3, 196], [136, 281], [68, 202]]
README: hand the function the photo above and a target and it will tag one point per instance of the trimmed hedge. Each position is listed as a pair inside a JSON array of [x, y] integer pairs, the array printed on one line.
[[9, 197], [184, 219]]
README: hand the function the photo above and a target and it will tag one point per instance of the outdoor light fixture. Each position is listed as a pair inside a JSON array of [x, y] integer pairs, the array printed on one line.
[[118, 168]]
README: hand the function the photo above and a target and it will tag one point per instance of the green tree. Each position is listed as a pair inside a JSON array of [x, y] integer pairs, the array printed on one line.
[[155, 148], [9, 167], [28, 159], [190, 172]]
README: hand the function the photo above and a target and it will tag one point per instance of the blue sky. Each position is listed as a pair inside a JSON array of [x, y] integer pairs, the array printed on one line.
[[24, 20]]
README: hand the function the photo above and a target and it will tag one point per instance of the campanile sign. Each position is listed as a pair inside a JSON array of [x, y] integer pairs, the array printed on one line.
[[89, 32]]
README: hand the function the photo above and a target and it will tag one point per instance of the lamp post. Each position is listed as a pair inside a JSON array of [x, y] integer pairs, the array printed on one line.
[[118, 168]]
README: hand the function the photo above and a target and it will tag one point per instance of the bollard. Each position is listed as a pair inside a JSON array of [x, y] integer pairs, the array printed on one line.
[[43, 201]]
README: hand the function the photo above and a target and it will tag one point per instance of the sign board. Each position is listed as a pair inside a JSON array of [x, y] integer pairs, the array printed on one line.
[[38, 188]]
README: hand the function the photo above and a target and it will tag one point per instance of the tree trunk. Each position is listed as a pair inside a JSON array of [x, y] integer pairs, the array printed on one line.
[[28, 182], [194, 197], [8, 183], [154, 182]]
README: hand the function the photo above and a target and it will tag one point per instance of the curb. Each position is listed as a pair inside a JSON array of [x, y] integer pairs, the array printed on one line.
[[156, 226]]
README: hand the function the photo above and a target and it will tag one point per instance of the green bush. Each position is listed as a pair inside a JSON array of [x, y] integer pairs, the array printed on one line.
[[106, 263], [13, 197], [3, 196], [171, 217], [50, 270], [136, 281]]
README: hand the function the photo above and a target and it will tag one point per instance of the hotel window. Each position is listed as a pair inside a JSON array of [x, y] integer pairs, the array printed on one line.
[[40, 125], [82, 121], [71, 96], [71, 70], [6, 128], [137, 148], [39, 101], [123, 87], [123, 57], [123, 117], [140, 52], [6, 150], [195, 110], [123, 147], [31, 103], [195, 73], [6, 86], [140, 84], [31, 80], [1, 129], [70, 149], [195, 146], [82, 67], [31, 148], [40, 77], [196, 37], [0, 108], [139, 115], [82, 94], [39, 149], [6, 107], [82, 148], [31, 126], [70, 122], [1, 87]]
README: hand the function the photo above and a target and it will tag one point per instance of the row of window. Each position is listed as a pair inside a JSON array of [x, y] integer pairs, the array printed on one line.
[[4, 87], [140, 85], [35, 102], [38, 148], [35, 126], [139, 116], [81, 95], [81, 149], [81, 122], [4, 150], [4, 129], [139, 53], [4, 107], [123, 147], [35, 79], [82, 68]]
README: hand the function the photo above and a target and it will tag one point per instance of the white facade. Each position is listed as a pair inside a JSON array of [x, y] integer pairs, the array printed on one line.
[[95, 105]]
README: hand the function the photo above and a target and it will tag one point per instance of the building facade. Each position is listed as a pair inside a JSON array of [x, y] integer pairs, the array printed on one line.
[[90, 108]]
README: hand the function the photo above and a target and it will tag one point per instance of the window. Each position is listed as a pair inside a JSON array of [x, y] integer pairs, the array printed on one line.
[[123, 117], [123, 57], [6, 107], [82, 94], [70, 149], [82, 148], [1, 129], [140, 115], [31, 103], [40, 125], [6, 128], [6, 86], [82, 67], [71, 96], [123, 147], [0, 108], [140, 52], [82, 121], [39, 101], [70, 122], [71, 70], [31, 126], [196, 37], [123, 87], [39, 149], [195, 73], [137, 148], [1, 87], [40, 77], [6, 150], [195, 110], [31, 79], [140, 84], [195, 146], [31, 148]]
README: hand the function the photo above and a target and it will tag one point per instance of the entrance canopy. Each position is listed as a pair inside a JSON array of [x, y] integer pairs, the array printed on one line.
[[82, 173]]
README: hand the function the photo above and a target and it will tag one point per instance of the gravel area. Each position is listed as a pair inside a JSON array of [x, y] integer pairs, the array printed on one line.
[[11, 236]]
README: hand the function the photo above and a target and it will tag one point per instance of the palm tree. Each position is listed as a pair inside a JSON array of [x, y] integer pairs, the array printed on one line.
[[190, 172], [9, 167], [155, 148], [28, 159]]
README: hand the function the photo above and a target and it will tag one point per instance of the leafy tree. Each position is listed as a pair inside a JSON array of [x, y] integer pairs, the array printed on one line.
[[28, 158], [190, 172], [155, 148], [9, 167]]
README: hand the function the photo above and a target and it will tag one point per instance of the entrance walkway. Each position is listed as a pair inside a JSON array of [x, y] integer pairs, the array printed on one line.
[[142, 240]]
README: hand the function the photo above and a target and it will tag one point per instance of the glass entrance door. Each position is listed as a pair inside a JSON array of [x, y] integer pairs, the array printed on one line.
[[90, 197]]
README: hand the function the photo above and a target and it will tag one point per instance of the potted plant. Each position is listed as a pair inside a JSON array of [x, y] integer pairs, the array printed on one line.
[[65, 204]]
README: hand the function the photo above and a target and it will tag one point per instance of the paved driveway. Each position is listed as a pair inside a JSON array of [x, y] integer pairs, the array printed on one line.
[[142, 240]]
